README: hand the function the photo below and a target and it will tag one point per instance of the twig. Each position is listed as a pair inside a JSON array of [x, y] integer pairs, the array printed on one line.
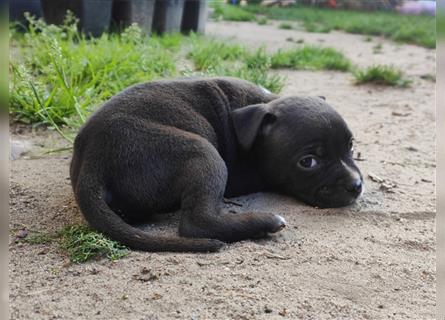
[[270, 255]]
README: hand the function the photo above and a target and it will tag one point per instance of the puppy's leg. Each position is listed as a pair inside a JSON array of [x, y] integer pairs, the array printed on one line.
[[202, 182]]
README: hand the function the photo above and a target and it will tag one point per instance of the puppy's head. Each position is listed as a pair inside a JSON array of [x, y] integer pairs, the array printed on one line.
[[303, 148]]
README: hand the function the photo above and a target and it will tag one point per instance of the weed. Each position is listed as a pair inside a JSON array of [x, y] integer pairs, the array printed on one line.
[[377, 48], [214, 58], [367, 39], [409, 29], [262, 21], [285, 25], [83, 244], [210, 53], [62, 77], [440, 23], [171, 41], [257, 65], [39, 238], [385, 75], [311, 57], [310, 26], [80, 242], [231, 13]]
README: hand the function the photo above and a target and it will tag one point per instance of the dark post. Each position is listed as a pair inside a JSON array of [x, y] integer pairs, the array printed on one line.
[[195, 16], [94, 15], [126, 12], [168, 15]]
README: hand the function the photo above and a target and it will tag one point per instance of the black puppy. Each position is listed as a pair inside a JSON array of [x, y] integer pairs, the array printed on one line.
[[188, 143]]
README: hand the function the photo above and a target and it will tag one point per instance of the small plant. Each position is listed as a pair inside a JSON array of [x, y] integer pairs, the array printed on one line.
[[39, 238], [367, 39], [311, 57], [214, 58], [383, 75], [316, 27], [256, 69], [210, 53], [285, 25], [377, 48], [251, 66], [80, 242], [262, 21], [83, 244], [232, 13]]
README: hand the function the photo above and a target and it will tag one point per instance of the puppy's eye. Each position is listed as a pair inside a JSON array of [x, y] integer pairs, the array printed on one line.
[[308, 162], [351, 145]]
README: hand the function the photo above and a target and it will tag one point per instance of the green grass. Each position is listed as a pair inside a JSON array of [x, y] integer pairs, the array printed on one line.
[[214, 58], [255, 69], [315, 27], [285, 26], [60, 76], [231, 13], [311, 58], [385, 75], [262, 21], [440, 24], [409, 29], [83, 244], [211, 53], [80, 243], [4, 50]]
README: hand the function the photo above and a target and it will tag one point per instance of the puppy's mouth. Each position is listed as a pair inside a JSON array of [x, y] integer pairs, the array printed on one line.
[[336, 196]]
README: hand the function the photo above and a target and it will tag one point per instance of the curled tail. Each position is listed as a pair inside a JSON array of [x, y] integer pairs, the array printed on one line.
[[90, 196]]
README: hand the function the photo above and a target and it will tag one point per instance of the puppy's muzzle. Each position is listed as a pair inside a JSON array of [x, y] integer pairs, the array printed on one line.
[[355, 188]]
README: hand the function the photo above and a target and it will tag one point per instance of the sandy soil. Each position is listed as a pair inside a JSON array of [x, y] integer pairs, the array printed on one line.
[[373, 260]]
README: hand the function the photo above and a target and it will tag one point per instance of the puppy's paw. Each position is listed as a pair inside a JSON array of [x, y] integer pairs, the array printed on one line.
[[278, 224], [270, 223], [204, 245]]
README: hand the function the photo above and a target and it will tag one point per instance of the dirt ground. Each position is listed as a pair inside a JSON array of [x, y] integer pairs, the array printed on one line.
[[373, 260]]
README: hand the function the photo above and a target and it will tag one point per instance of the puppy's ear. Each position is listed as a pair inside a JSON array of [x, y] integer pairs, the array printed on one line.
[[322, 98], [248, 121]]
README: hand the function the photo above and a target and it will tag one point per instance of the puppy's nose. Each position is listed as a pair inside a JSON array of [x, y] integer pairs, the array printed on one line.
[[355, 188]]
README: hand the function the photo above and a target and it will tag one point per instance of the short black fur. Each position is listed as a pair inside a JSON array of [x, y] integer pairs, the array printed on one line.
[[187, 143]]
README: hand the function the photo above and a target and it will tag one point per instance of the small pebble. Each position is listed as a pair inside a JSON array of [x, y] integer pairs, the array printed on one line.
[[267, 309]]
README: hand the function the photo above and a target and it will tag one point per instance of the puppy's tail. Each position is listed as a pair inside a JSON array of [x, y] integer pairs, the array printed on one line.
[[90, 196]]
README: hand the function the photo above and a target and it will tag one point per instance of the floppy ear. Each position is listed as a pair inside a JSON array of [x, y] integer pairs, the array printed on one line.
[[247, 122], [322, 97]]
